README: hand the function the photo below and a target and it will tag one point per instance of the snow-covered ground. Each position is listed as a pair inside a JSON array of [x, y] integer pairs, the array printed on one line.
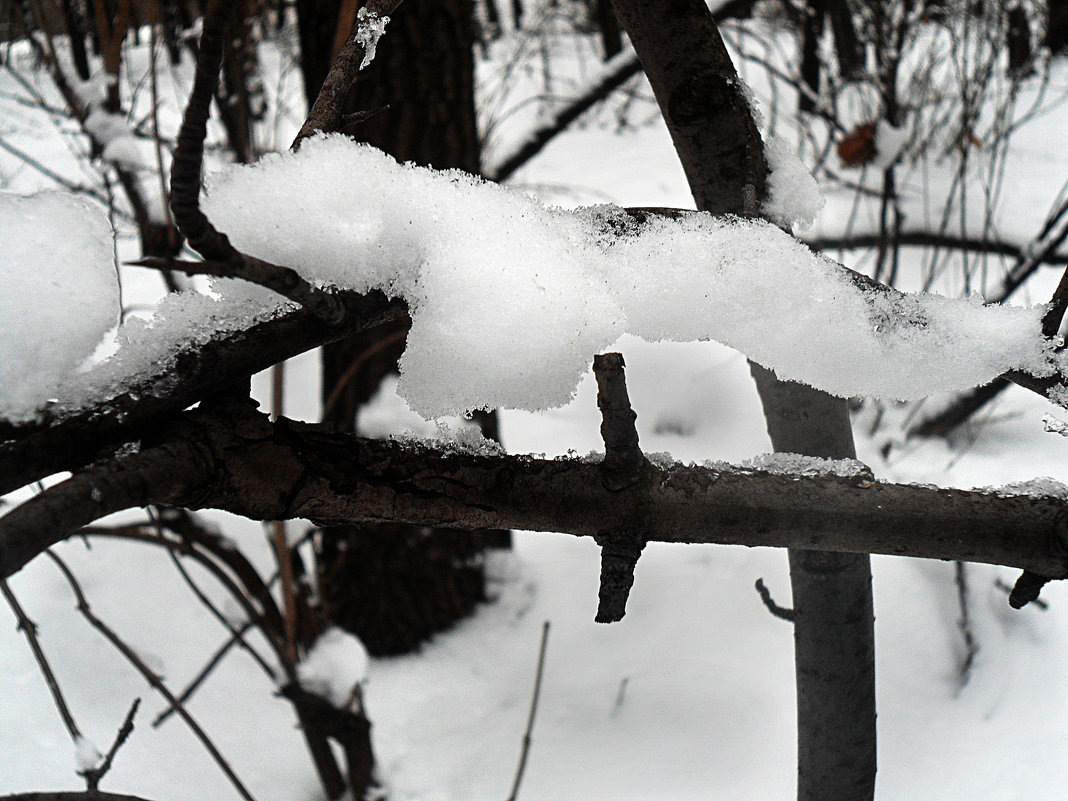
[[690, 696]]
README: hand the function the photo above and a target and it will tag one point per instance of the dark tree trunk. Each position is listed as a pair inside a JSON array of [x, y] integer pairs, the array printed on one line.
[[811, 33], [721, 152], [76, 31], [611, 36], [834, 620], [1057, 26], [394, 585]]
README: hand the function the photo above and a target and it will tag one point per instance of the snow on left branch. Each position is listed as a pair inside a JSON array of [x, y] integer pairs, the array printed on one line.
[[59, 295]]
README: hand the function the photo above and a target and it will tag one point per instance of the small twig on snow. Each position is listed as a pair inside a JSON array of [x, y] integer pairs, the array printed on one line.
[[521, 767]]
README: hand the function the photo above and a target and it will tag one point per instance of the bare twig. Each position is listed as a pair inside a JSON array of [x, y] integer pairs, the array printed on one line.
[[616, 72], [283, 280], [524, 752], [94, 775], [150, 675], [971, 647], [29, 629], [222, 258], [942, 240], [213, 661], [326, 111], [781, 612]]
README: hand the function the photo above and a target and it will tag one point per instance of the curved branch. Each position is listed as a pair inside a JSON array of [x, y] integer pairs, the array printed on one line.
[[157, 475]]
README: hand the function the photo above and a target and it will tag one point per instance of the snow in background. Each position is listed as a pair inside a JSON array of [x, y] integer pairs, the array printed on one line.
[[689, 697]]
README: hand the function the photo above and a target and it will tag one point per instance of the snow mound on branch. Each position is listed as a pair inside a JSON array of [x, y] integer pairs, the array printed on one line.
[[794, 197], [335, 666], [510, 300], [59, 296]]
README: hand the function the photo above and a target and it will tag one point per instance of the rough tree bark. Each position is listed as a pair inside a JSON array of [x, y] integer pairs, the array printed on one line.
[[720, 148], [391, 584]]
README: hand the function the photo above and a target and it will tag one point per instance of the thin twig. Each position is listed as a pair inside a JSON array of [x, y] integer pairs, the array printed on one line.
[[93, 776], [781, 612], [214, 661], [149, 675], [222, 258], [971, 647], [326, 112], [29, 628], [522, 766], [351, 371]]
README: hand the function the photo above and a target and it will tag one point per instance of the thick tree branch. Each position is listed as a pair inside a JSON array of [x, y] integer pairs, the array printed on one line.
[[155, 475], [290, 470]]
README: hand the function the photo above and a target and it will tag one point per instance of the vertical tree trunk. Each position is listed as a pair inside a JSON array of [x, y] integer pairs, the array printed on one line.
[[1056, 38], [393, 585], [721, 152], [834, 620]]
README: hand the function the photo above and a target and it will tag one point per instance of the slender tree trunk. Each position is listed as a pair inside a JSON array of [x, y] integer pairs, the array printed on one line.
[[396, 585], [722, 155]]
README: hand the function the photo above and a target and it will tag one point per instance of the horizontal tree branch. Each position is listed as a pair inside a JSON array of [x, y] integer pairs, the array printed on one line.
[[996, 247], [69, 439], [285, 470]]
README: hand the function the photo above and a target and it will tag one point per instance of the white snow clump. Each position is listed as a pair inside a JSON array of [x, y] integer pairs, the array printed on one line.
[[510, 300], [794, 197], [87, 756], [369, 30], [335, 666], [60, 294]]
